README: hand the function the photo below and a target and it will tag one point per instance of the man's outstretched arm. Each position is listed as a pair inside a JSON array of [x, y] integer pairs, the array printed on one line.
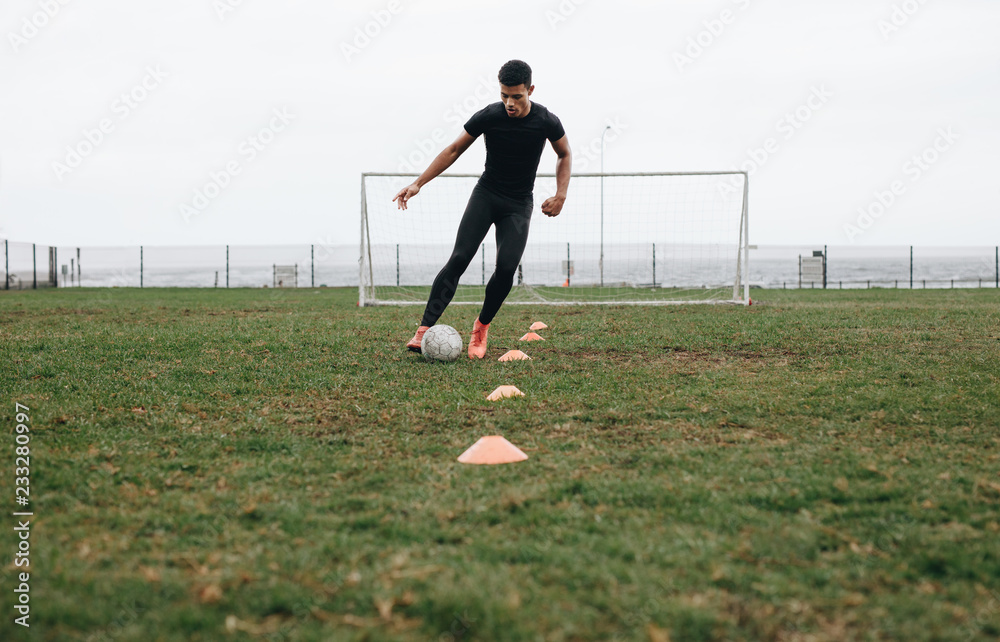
[[564, 168], [442, 162]]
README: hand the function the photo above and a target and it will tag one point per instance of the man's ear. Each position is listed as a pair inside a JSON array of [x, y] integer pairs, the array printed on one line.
[[531, 89]]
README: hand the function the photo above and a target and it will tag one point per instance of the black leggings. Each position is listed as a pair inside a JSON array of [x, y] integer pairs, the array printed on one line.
[[485, 208]]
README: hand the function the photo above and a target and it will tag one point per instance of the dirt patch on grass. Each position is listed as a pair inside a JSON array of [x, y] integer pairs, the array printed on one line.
[[729, 354], [677, 355], [615, 355]]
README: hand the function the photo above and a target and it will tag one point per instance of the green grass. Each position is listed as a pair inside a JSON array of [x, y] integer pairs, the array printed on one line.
[[247, 464]]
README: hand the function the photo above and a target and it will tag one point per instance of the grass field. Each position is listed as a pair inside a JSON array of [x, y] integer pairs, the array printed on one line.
[[254, 464]]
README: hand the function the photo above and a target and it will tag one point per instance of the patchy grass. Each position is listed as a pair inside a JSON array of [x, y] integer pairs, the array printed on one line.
[[247, 464]]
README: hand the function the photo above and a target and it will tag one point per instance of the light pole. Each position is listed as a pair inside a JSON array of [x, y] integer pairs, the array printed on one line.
[[601, 262]]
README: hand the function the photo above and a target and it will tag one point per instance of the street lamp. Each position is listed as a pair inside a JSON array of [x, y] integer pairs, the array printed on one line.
[[601, 262]]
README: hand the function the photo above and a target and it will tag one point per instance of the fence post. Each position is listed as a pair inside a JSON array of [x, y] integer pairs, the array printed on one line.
[[654, 265], [79, 273], [227, 266], [911, 267], [824, 266], [140, 266], [6, 266], [312, 264], [34, 269], [397, 265], [568, 264]]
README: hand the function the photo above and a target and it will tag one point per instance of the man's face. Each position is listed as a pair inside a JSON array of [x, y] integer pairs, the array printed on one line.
[[515, 99]]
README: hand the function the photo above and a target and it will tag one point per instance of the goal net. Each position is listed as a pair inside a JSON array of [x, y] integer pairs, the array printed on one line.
[[621, 239]]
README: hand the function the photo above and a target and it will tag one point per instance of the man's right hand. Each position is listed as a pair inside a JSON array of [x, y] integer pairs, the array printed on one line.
[[406, 194]]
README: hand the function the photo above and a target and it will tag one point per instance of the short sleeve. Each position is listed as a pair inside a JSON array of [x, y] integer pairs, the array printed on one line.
[[477, 124], [554, 128]]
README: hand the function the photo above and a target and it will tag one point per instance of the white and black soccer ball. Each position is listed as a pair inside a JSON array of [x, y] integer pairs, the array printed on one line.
[[441, 343]]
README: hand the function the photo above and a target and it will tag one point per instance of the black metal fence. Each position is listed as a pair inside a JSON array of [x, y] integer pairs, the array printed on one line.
[[219, 266], [907, 267], [28, 265]]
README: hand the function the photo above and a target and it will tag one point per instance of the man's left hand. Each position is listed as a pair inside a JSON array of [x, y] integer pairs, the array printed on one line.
[[552, 206]]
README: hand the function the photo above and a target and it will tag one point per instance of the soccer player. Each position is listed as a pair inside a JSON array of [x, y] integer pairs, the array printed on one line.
[[515, 130]]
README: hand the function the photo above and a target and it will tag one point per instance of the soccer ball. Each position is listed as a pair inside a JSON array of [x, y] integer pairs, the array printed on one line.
[[441, 343]]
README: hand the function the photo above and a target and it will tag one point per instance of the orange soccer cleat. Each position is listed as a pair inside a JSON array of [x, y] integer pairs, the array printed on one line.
[[477, 344], [414, 343]]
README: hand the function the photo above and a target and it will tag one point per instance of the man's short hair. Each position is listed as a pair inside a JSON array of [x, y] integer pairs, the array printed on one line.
[[514, 73]]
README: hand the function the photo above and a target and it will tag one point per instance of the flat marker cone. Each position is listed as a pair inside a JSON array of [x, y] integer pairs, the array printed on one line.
[[504, 391], [515, 355], [538, 325], [492, 450], [531, 336]]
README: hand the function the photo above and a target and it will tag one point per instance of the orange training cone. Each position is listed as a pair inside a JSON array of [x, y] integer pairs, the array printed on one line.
[[504, 391], [515, 355], [531, 336], [538, 325], [492, 450], [566, 284]]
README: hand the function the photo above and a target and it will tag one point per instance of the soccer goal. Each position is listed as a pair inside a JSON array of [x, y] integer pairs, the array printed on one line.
[[643, 239]]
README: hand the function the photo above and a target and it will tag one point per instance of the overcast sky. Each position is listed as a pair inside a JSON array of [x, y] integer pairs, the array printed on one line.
[[870, 122]]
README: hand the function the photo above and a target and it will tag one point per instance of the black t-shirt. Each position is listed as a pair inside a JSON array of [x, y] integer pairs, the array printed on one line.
[[513, 146]]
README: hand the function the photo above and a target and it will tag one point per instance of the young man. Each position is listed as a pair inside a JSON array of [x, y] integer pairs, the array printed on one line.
[[515, 130]]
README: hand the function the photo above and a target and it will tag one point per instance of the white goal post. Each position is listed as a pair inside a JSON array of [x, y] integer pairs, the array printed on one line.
[[621, 239]]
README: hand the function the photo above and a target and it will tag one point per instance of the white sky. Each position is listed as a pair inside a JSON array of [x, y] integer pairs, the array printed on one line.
[[228, 65]]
